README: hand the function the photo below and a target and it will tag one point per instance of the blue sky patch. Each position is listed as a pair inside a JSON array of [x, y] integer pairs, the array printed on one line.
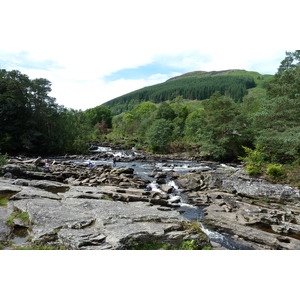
[[164, 64], [142, 72]]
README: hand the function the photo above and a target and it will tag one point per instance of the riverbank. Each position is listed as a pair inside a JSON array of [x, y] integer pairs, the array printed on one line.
[[74, 206], [227, 202]]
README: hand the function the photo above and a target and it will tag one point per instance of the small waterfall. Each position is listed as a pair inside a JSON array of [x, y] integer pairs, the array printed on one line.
[[196, 214]]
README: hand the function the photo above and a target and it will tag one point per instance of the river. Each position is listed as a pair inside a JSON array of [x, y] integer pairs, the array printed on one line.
[[147, 169]]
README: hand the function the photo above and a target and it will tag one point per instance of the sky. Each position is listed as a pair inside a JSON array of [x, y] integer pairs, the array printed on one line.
[[93, 51]]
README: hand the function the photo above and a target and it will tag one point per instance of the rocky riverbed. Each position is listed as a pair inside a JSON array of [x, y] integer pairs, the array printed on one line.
[[261, 214], [72, 206], [76, 207]]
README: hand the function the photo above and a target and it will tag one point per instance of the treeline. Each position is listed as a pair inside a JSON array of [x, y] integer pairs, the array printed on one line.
[[220, 128], [192, 87], [217, 128], [32, 122]]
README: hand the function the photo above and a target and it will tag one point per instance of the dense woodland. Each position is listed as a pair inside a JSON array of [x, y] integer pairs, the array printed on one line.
[[32, 123], [191, 87], [241, 116]]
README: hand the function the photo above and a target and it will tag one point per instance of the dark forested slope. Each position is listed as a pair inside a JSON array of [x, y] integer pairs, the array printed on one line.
[[198, 85]]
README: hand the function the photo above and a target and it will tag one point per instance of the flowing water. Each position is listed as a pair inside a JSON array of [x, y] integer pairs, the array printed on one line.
[[146, 169]]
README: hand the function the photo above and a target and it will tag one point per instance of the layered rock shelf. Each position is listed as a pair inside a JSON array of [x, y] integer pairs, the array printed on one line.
[[76, 207], [260, 214], [72, 206]]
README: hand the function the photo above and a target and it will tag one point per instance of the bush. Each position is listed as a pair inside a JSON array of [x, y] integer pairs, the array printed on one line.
[[254, 170], [274, 170], [254, 160]]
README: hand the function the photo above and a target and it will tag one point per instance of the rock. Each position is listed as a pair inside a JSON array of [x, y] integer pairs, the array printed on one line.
[[104, 224], [37, 161], [82, 239], [5, 230], [67, 207], [14, 169], [43, 184], [191, 182], [161, 180], [7, 187], [31, 192], [166, 188], [240, 183], [256, 225], [8, 175], [81, 217], [119, 171], [247, 208]]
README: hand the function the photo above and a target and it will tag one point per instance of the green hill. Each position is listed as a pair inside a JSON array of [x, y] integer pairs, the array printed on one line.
[[198, 85]]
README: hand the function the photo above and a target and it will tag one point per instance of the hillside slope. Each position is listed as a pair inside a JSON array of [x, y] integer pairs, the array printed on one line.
[[198, 85]]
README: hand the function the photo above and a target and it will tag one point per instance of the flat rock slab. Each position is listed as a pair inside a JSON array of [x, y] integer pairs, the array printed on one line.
[[7, 186], [31, 192], [100, 224]]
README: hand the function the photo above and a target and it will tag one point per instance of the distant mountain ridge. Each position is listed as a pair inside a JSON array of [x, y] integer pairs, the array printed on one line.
[[205, 73], [197, 85]]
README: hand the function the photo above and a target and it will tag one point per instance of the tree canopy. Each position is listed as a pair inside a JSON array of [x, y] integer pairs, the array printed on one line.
[[194, 88], [32, 122], [236, 112]]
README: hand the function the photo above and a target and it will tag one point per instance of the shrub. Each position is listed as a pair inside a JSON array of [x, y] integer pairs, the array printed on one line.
[[254, 170], [274, 170], [254, 160], [189, 245]]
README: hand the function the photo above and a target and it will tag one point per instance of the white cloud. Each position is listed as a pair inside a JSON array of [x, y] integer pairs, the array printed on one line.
[[89, 39]]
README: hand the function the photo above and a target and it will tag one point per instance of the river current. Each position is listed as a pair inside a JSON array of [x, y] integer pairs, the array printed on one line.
[[146, 169]]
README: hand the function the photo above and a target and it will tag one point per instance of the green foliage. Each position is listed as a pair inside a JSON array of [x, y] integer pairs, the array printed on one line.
[[189, 245], [193, 227], [248, 109], [3, 201], [292, 174], [150, 246], [277, 123], [207, 248], [274, 170], [144, 109], [32, 123], [191, 87], [278, 128], [165, 111], [254, 170], [98, 114], [159, 135], [185, 245], [191, 125], [18, 214], [222, 128], [286, 81], [254, 160]]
